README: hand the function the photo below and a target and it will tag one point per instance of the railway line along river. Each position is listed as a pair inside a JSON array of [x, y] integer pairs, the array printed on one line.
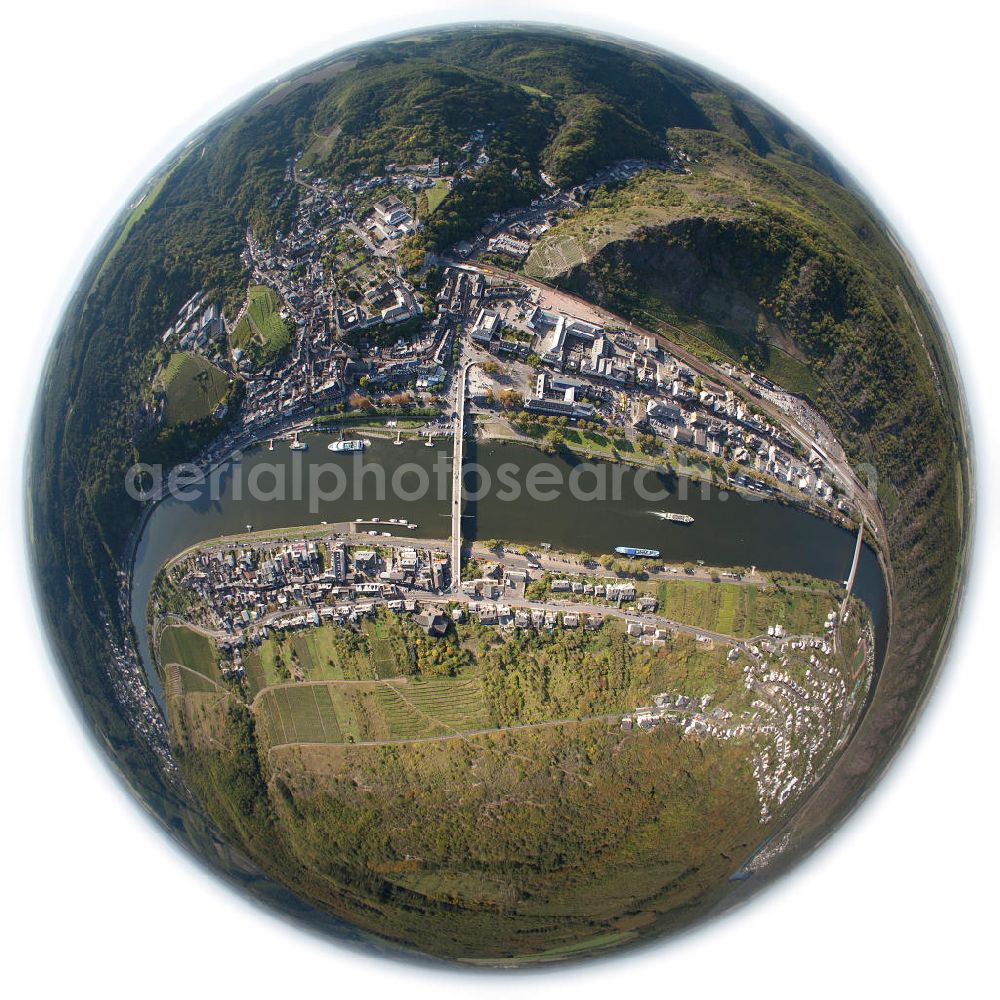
[[271, 489]]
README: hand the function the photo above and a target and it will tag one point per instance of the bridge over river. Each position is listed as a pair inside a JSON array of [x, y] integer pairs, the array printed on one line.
[[456, 476]]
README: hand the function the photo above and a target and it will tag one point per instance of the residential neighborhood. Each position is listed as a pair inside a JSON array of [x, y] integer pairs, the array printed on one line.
[[799, 717]]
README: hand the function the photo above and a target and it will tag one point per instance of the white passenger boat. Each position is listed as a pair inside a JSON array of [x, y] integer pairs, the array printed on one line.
[[676, 518], [354, 444]]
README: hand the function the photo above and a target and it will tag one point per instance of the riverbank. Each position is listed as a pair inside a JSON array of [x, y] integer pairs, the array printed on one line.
[[728, 530], [673, 462]]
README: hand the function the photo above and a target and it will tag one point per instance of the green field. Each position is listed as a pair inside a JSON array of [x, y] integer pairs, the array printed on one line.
[[743, 610], [300, 714], [261, 333], [386, 681], [381, 649], [316, 654], [343, 695], [195, 657], [456, 703], [387, 649], [194, 387], [182, 680], [579, 439], [859, 658], [360, 712], [319, 149], [436, 195]]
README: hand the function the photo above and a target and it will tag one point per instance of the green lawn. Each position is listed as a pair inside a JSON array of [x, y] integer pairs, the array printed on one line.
[[594, 441], [579, 439], [436, 195], [194, 387], [261, 333]]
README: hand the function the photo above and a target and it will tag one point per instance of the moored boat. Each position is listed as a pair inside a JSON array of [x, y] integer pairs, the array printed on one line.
[[354, 444], [628, 550]]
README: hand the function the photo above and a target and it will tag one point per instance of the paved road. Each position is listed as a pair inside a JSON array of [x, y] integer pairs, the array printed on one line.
[[582, 607], [456, 477]]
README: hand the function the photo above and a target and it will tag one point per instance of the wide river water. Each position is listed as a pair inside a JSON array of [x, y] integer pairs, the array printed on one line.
[[271, 489]]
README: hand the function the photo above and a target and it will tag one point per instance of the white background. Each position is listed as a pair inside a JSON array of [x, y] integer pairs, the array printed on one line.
[[97, 901]]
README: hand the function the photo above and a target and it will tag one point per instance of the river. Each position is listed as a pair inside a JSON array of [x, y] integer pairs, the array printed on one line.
[[271, 489]]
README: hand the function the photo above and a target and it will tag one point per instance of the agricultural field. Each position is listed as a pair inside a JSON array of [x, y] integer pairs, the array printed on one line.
[[455, 703], [743, 610], [180, 644], [261, 334], [577, 239], [190, 661], [388, 651], [299, 714], [554, 255], [525, 678], [194, 387], [319, 149], [384, 647], [318, 654], [360, 712]]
